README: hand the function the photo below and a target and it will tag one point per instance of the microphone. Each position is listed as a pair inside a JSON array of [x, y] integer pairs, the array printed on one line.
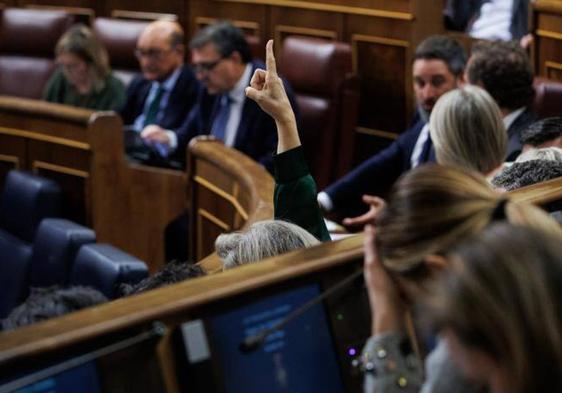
[[255, 341]]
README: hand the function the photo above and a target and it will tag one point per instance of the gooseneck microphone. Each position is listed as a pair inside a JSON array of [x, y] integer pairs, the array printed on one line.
[[255, 341]]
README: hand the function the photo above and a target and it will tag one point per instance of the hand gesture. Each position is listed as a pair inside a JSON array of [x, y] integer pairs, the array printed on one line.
[[376, 205], [267, 90]]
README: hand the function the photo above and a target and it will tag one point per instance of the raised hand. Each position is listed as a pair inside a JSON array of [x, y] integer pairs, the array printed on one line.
[[267, 90]]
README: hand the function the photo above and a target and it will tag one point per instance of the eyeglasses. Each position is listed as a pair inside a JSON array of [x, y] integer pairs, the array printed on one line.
[[154, 54], [206, 66]]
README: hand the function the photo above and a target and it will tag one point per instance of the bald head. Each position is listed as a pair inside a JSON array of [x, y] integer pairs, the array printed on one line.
[[160, 49]]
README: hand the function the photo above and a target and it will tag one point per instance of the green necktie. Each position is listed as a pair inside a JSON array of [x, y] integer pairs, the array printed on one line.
[[154, 107]]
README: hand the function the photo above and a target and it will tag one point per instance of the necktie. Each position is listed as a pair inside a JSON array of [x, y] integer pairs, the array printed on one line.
[[154, 107], [219, 125]]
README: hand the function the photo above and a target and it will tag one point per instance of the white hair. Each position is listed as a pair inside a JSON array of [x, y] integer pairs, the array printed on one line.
[[545, 153], [262, 240]]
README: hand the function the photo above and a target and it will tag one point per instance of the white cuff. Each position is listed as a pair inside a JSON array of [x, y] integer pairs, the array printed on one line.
[[325, 201], [173, 139]]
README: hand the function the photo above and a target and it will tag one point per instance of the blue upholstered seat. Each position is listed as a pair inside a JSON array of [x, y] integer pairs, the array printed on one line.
[[55, 248], [104, 267], [25, 201]]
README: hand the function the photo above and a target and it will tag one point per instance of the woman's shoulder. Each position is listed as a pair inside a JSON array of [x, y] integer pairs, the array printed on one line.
[[114, 82]]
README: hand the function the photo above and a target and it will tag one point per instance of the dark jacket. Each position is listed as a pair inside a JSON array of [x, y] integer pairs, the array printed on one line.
[[376, 175], [182, 99], [256, 135]]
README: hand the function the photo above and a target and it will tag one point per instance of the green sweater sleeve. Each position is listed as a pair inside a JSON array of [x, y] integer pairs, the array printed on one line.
[[295, 194]]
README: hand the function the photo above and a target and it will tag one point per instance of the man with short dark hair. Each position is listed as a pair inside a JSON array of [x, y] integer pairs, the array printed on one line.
[[223, 63], [543, 133], [167, 88], [437, 68], [503, 69]]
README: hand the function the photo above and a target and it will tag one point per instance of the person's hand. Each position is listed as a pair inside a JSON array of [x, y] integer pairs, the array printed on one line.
[[153, 133], [376, 204], [387, 308], [267, 90]]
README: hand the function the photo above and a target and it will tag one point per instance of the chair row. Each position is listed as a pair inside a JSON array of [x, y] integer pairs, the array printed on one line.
[[28, 38], [38, 251]]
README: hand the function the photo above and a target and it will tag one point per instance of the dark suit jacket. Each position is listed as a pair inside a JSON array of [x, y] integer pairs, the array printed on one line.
[[256, 135], [376, 175], [514, 146], [182, 99]]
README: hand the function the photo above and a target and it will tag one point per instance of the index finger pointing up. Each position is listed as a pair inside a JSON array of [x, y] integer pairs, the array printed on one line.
[[270, 58]]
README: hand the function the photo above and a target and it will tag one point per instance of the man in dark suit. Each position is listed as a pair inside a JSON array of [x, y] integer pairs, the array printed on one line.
[[437, 68], [167, 88], [223, 63], [503, 69]]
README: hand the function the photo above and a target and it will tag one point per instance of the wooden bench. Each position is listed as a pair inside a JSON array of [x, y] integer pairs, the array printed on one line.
[[127, 204], [152, 362]]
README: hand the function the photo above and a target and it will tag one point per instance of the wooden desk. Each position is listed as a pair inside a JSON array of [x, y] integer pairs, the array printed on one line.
[[47, 342]]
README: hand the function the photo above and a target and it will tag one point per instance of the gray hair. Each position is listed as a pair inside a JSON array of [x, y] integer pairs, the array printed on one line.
[[526, 173], [467, 130], [262, 240], [545, 153]]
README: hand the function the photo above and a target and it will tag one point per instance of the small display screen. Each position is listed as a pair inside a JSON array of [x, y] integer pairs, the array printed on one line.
[[83, 378], [299, 357]]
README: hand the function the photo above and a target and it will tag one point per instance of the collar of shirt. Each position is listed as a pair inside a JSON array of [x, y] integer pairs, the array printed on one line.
[[509, 119], [238, 92], [418, 147], [168, 86]]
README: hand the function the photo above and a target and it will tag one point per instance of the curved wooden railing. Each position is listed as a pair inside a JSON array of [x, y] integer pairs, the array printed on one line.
[[228, 191]]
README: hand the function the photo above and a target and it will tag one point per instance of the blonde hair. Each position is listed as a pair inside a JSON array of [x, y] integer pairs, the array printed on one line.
[[467, 130], [80, 41], [262, 240], [431, 208], [502, 296]]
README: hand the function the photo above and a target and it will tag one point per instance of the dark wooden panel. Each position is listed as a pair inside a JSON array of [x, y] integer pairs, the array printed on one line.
[[63, 3], [12, 156], [383, 66], [291, 21], [250, 17], [70, 169]]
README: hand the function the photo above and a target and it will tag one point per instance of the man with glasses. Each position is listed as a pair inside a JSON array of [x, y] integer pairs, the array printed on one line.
[[167, 88], [222, 61]]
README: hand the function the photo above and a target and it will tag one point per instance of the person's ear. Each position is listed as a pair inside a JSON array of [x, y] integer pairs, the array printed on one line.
[[435, 264]]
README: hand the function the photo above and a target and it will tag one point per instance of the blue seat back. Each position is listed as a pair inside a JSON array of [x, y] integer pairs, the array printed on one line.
[[54, 250], [15, 256], [26, 200], [104, 267]]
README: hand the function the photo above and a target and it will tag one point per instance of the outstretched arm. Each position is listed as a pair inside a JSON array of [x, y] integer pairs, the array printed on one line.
[[295, 189]]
